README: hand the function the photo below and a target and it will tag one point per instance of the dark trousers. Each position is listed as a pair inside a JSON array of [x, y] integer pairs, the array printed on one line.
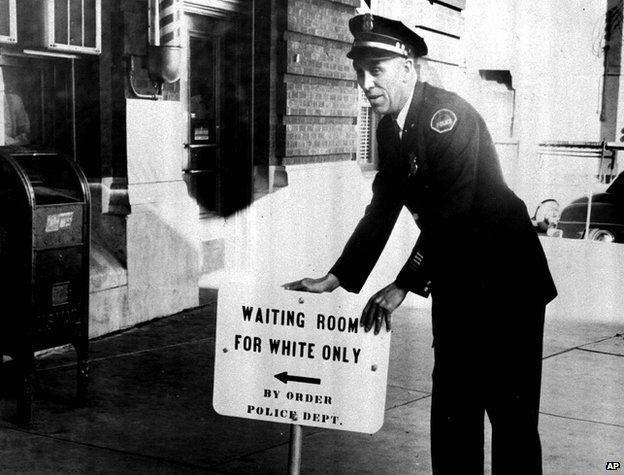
[[486, 361]]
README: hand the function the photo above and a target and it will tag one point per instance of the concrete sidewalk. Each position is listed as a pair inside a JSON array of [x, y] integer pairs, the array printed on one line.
[[150, 408]]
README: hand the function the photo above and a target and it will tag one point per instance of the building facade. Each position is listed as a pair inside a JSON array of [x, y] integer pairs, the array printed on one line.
[[227, 138]]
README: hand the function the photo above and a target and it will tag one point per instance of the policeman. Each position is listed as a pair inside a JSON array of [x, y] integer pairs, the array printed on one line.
[[477, 254]]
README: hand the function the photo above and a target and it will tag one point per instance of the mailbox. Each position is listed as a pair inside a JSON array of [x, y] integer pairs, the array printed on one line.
[[44, 258]]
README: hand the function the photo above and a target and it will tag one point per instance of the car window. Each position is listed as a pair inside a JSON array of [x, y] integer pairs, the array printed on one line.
[[617, 186]]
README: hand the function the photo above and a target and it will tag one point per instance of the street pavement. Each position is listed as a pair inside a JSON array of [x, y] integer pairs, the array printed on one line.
[[150, 407]]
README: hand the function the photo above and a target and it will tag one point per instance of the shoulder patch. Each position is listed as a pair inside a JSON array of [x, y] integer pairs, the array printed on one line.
[[443, 121]]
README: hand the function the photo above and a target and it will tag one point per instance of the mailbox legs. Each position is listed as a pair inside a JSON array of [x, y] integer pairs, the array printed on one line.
[[82, 371], [25, 361]]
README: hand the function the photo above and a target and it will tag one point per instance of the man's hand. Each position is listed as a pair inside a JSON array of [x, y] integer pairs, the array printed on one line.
[[380, 307], [327, 283]]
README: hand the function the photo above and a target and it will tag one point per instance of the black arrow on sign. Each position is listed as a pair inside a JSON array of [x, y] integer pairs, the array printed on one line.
[[285, 377]]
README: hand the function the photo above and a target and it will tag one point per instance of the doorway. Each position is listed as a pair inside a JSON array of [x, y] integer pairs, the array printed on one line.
[[218, 170]]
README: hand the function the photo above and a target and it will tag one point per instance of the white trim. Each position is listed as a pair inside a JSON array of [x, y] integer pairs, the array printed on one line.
[[50, 41], [12, 36], [378, 45], [51, 54]]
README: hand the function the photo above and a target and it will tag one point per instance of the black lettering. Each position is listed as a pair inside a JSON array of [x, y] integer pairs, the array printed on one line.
[[290, 318], [285, 347], [248, 343], [342, 324], [300, 319], [275, 314], [322, 418], [340, 353], [302, 349], [320, 321], [271, 393], [247, 313], [356, 354], [259, 316], [274, 345]]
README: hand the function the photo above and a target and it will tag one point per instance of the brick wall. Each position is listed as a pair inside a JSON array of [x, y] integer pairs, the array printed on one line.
[[313, 96], [317, 105]]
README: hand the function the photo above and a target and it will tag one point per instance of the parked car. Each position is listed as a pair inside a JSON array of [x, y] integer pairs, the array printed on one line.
[[606, 220]]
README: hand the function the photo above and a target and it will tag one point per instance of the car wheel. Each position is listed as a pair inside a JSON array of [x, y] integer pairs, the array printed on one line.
[[600, 235]]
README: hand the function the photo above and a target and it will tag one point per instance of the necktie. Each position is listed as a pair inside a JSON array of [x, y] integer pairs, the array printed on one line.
[[396, 136]]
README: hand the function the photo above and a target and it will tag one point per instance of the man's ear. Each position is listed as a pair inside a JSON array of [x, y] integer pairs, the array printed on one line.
[[409, 66]]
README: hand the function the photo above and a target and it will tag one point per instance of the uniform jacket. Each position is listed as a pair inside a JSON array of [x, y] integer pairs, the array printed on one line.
[[475, 233]]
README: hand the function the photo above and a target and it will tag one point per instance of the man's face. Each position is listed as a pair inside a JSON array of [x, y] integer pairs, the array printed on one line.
[[386, 82]]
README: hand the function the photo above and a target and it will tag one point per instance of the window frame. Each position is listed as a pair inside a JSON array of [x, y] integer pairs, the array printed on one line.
[[49, 33], [12, 36]]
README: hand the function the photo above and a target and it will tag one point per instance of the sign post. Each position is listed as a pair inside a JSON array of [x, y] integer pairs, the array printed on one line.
[[298, 358], [294, 449]]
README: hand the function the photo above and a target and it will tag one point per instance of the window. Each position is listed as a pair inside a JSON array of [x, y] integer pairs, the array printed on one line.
[[73, 25], [36, 104], [8, 23], [365, 125]]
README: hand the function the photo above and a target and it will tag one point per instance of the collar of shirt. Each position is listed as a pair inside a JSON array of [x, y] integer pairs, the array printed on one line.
[[400, 120]]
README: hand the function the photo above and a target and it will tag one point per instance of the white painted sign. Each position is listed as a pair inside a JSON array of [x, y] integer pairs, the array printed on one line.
[[58, 221], [297, 357]]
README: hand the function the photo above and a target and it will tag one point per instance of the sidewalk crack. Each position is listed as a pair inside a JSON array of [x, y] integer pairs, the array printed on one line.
[[580, 347], [611, 424], [408, 402], [130, 353], [602, 352]]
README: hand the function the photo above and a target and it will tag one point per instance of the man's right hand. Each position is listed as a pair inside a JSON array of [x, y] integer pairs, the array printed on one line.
[[327, 283]]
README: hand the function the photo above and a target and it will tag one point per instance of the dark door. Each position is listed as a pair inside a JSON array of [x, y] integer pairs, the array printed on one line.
[[219, 167]]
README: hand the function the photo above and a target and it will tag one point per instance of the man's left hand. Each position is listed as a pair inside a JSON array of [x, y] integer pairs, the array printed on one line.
[[380, 307]]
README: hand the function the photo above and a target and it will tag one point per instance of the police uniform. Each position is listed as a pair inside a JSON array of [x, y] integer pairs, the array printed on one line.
[[478, 256]]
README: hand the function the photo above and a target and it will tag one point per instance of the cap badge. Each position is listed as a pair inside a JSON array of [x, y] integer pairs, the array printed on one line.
[[443, 121], [368, 22]]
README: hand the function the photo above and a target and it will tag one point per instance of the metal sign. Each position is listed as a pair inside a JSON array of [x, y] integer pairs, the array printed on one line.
[[298, 358]]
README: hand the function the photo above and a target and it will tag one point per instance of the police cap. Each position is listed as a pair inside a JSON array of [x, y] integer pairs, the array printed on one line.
[[375, 36]]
